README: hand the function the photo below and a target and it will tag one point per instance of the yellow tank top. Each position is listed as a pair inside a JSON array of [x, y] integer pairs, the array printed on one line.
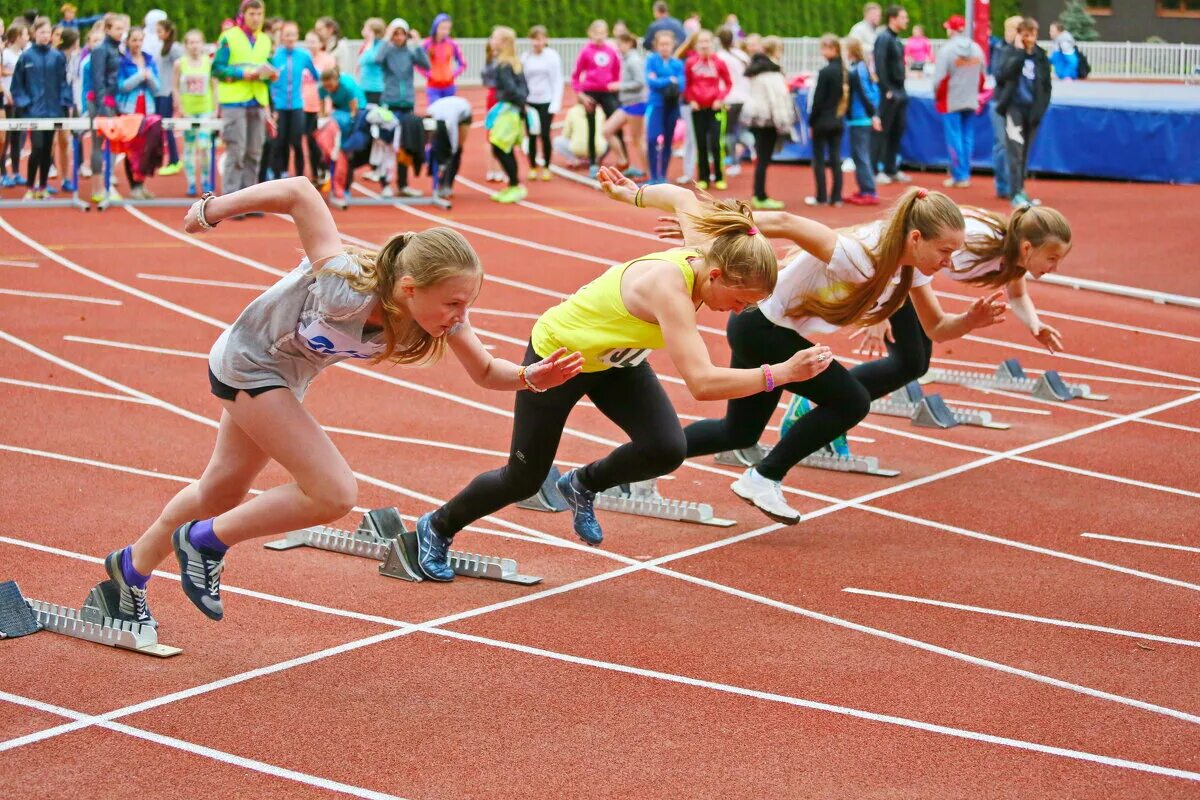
[[595, 322], [195, 87]]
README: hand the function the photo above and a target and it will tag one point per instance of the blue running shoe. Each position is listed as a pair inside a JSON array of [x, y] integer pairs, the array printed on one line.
[[208, 187], [593, 171], [68, 185], [433, 551], [19, 180], [191, 190], [580, 500], [8, 181], [132, 606], [200, 572]]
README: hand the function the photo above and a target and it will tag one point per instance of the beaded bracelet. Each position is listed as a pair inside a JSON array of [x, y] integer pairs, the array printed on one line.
[[637, 198], [525, 380], [200, 216], [768, 377]]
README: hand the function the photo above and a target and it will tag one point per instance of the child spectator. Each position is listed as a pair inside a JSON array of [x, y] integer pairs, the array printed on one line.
[[291, 63], [918, 50], [310, 90], [344, 96], [863, 120], [831, 98], [168, 54], [453, 115], [138, 80], [370, 74], [487, 77], [1065, 56], [398, 56], [66, 41], [15, 40], [708, 83], [70, 19], [736, 60], [446, 60], [957, 82], [631, 113], [685, 113], [195, 88], [39, 91], [544, 77], [508, 120], [596, 69], [1022, 100], [571, 144], [769, 113], [666, 79], [336, 45]]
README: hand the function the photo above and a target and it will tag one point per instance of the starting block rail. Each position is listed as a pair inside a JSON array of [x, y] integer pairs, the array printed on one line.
[[930, 410], [822, 459], [381, 536], [1011, 377], [640, 499], [91, 624]]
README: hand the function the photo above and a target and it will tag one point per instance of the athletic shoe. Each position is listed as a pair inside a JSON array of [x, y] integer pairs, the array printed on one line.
[[766, 205], [132, 606], [848, 165], [950, 183], [494, 176], [883, 178], [140, 193], [53, 173], [587, 527], [338, 202], [387, 191], [545, 173], [812, 201], [409, 191], [512, 194], [171, 169], [1021, 199], [99, 197], [433, 551], [701, 185], [733, 170], [85, 171], [634, 173], [20, 179], [684, 180], [860, 199], [191, 190], [593, 171], [114, 196], [720, 186], [766, 495], [68, 185], [200, 572], [48, 191], [30, 195], [208, 187], [8, 181], [902, 176]]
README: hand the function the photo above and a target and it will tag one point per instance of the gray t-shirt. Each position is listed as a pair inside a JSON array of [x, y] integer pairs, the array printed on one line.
[[297, 328], [166, 69]]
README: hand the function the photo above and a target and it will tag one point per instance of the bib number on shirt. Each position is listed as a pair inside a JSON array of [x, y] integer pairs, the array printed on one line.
[[328, 341], [624, 357], [195, 85]]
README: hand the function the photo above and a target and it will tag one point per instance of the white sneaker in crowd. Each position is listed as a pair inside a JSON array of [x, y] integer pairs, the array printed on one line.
[[883, 179]]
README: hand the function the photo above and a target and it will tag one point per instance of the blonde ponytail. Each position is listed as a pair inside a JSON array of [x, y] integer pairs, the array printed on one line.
[[1034, 224], [744, 255]]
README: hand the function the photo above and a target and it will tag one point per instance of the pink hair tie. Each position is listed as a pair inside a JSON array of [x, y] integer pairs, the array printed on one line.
[[752, 231], [922, 194]]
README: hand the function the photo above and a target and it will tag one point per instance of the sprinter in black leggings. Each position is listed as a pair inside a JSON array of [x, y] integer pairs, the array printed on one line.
[[616, 321]]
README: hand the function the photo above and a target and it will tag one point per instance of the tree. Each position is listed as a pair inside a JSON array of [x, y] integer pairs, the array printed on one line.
[[1076, 19]]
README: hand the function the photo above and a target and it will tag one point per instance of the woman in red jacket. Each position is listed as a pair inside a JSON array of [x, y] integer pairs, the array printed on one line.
[[707, 81]]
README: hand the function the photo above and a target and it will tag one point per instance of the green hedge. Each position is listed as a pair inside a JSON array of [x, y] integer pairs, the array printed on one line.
[[564, 18]]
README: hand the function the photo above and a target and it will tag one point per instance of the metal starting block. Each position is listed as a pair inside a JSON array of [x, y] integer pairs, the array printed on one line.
[[822, 459], [94, 623], [1010, 376], [930, 410], [381, 536], [640, 499]]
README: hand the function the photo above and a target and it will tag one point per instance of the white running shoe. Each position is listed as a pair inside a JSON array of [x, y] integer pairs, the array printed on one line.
[[409, 191], [883, 178], [766, 495], [903, 177], [847, 165], [388, 191]]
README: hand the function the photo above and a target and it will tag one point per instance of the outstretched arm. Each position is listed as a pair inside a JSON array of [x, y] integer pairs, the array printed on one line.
[[941, 327], [680, 201], [503, 375], [1023, 308]]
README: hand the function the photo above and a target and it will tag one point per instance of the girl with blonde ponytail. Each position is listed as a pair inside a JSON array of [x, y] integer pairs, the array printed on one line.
[[833, 279], [998, 253], [616, 321], [405, 303]]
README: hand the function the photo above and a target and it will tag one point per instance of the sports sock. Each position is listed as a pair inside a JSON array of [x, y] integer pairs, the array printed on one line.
[[201, 535], [129, 573]]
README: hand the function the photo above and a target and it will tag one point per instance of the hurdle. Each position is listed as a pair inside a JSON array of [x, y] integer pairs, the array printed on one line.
[[822, 459], [76, 126], [641, 499], [382, 536], [1011, 377], [92, 623], [931, 410]]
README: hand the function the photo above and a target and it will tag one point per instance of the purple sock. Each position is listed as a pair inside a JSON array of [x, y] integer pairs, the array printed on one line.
[[131, 575], [201, 535]]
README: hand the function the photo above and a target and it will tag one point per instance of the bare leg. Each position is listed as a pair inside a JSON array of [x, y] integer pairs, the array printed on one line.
[[637, 136], [612, 126]]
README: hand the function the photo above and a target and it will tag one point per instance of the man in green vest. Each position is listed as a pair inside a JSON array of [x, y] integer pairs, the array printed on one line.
[[244, 74]]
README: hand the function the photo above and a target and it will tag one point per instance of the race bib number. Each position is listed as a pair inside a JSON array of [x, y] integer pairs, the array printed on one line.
[[194, 85], [624, 357], [328, 341]]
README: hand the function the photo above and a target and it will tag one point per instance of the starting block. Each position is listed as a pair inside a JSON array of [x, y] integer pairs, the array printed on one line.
[[381, 536], [1010, 376], [930, 410], [640, 499], [822, 459], [94, 622]]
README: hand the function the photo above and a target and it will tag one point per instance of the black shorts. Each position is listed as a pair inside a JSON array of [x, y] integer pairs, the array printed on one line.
[[227, 392]]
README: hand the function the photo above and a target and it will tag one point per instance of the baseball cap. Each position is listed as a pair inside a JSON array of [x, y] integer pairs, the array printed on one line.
[[399, 23], [956, 23]]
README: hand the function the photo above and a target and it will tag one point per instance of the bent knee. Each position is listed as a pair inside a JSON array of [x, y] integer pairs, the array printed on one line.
[[336, 497], [669, 454]]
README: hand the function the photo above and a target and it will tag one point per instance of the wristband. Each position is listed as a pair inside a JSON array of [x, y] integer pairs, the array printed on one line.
[[768, 377], [637, 198], [522, 374], [201, 218]]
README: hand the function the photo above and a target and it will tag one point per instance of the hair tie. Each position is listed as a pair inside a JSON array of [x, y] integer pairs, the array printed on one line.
[[752, 230], [922, 194]]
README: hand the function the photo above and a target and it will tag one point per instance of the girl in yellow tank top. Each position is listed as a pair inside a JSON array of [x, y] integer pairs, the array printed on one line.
[[616, 321]]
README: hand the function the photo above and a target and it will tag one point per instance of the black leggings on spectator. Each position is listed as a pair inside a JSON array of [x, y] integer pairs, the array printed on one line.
[[764, 148], [40, 158], [509, 162], [632, 397], [315, 159], [608, 103], [544, 118], [707, 125], [841, 401], [907, 359], [827, 152], [290, 139], [16, 141]]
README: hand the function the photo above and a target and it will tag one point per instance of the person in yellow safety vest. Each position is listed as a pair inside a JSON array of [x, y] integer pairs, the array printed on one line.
[[244, 75]]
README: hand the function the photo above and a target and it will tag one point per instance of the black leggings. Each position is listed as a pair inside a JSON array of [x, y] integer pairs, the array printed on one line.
[[290, 138], [509, 162], [315, 159], [764, 148], [608, 103], [841, 402], [632, 397], [16, 141], [827, 152], [907, 359], [544, 119], [706, 122], [40, 158]]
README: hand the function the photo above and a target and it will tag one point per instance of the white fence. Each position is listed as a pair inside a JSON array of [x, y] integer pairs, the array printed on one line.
[[1124, 60]]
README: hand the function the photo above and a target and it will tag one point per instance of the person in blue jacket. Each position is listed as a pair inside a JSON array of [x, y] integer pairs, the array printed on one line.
[[40, 91], [287, 101], [665, 78]]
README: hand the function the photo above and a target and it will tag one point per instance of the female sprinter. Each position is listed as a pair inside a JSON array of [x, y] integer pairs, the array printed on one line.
[[406, 303], [616, 321], [852, 277], [999, 252]]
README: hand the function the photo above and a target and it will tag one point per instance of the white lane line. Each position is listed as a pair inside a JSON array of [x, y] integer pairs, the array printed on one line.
[[496, 312], [461, 448], [21, 264], [1061, 623], [1144, 542], [47, 387], [196, 241], [991, 369], [1083, 359], [1082, 409], [258, 287], [99, 301], [998, 407], [202, 750], [141, 348]]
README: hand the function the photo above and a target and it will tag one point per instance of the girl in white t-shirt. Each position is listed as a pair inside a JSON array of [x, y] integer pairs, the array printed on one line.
[[999, 253], [835, 279]]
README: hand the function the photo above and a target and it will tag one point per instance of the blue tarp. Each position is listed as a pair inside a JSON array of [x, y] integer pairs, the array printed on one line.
[[1142, 132]]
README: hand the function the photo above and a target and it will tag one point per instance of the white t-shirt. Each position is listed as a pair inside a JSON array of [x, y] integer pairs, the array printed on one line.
[[736, 61], [9, 63], [807, 275], [963, 271], [544, 78]]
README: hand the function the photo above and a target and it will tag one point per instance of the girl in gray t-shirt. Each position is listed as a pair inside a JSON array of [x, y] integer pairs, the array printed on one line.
[[406, 303]]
